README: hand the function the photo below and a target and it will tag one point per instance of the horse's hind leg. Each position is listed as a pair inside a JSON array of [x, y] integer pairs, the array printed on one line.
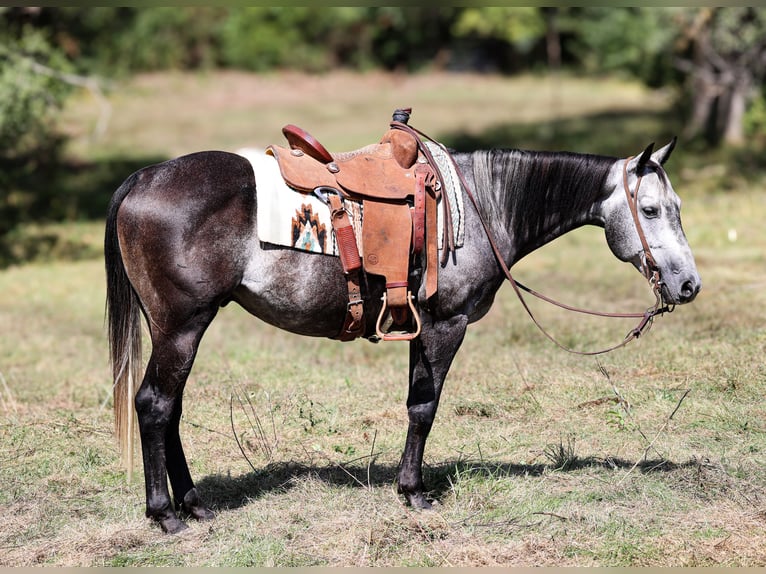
[[184, 493], [431, 355], [159, 406]]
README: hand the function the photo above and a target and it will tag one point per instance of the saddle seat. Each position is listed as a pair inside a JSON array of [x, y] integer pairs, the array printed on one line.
[[398, 189], [382, 171]]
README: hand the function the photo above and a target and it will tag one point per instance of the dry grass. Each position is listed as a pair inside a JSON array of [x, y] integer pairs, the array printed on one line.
[[536, 458]]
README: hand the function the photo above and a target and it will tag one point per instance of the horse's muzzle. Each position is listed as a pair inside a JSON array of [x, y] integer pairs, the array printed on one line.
[[686, 291]]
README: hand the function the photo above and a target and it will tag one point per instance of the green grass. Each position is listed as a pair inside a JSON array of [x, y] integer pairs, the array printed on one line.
[[537, 457]]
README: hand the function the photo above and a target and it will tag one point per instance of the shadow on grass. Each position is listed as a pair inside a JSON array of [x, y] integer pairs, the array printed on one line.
[[226, 492]]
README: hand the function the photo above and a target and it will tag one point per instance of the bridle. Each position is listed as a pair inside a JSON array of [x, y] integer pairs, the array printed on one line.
[[649, 267]]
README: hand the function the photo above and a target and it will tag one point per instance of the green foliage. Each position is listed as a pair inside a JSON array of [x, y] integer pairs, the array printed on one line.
[[173, 37], [115, 41], [263, 38], [411, 38], [755, 119], [521, 27], [30, 95], [315, 39], [91, 38], [634, 41], [738, 29], [725, 64]]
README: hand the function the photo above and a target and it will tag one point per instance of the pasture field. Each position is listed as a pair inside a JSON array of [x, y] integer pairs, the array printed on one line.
[[652, 455]]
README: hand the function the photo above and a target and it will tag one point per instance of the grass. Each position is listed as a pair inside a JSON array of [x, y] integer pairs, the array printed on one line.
[[650, 456]]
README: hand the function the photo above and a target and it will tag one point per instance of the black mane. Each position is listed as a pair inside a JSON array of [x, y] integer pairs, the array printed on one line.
[[530, 191]]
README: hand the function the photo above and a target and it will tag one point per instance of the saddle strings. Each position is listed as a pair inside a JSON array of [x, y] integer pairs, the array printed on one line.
[[649, 267]]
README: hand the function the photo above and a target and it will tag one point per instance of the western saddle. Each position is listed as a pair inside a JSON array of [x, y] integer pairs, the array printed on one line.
[[398, 183]]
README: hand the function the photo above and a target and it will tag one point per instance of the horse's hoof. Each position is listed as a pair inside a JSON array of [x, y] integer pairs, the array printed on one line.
[[418, 501], [200, 513], [173, 525], [194, 507]]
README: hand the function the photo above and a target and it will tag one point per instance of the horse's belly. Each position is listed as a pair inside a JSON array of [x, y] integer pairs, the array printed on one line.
[[300, 292]]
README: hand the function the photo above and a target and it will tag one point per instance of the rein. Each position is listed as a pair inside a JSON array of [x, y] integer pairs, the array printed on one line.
[[648, 264]]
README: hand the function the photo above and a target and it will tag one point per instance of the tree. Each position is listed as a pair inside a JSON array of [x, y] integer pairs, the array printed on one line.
[[30, 98], [516, 30], [726, 62], [635, 42]]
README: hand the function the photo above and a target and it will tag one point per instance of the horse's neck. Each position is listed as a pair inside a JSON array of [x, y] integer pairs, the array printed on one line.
[[531, 198]]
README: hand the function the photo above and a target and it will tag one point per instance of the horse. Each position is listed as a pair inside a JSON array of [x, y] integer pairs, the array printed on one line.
[[181, 241]]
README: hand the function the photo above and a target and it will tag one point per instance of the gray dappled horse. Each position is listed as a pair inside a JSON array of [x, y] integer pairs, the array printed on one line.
[[181, 242]]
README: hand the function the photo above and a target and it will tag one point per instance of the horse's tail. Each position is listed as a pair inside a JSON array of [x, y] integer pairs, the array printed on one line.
[[123, 317]]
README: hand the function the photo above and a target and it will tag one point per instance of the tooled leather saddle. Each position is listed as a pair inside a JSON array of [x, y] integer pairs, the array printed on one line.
[[398, 184]]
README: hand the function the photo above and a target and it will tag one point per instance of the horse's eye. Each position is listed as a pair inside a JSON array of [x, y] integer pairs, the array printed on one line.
[[650, 211]]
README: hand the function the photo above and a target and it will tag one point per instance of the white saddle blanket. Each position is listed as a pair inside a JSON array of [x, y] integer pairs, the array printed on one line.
[[290, 218]]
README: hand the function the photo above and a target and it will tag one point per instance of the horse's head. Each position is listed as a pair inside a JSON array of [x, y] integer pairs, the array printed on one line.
[[658, 213]]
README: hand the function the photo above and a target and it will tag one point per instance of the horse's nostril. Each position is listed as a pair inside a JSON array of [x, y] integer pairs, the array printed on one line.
[[689, 290]]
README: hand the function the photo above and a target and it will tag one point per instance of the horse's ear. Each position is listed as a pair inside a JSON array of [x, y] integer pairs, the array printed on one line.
[[662, 154], [645, 157]]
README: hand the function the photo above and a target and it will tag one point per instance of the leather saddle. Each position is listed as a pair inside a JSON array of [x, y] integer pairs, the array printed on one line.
[[398, 187]]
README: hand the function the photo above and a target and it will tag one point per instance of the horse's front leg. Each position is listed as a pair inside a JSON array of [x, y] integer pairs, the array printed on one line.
[[431, 355]]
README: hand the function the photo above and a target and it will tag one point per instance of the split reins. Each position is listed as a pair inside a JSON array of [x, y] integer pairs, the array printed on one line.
[[648, 264]]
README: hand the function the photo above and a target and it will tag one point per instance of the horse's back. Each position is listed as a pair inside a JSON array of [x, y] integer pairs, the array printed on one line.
[[207, 176]]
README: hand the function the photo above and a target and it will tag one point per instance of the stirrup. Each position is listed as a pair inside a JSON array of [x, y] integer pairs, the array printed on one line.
[[398, 336]]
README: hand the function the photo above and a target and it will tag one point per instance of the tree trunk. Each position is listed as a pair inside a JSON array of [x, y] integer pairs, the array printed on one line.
[[733, 127], [704, 94], [724, 68], [552, 38], [703, 88]]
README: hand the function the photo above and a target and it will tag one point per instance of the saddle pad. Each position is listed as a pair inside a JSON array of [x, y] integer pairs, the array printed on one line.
[[290, 218]]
